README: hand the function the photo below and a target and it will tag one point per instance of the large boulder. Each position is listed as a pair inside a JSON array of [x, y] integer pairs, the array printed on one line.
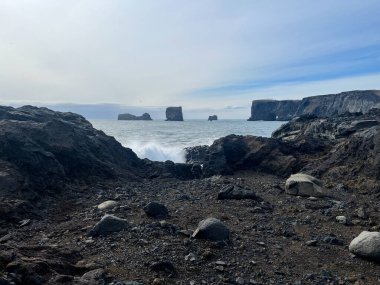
[[174, 114], [366, 245], [156, 210], [47, 149], [234, 152], [212, 229], [304, 185]]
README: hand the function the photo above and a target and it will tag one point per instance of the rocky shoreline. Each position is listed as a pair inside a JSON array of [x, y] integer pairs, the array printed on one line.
[[78, 208]]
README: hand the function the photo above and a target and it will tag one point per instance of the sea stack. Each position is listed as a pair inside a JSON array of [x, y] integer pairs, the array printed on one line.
[[174, 114], [213, 118], [130, 117]]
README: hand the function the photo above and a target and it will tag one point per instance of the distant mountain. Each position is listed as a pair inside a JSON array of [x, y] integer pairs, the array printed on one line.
[[321, 106]]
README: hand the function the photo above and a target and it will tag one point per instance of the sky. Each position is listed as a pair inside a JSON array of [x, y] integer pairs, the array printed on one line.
[[100, 57]]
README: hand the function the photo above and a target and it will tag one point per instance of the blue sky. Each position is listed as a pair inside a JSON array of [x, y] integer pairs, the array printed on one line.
[[210, 56]]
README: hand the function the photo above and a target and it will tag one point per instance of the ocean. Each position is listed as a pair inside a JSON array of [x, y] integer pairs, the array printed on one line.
[[162, 140]]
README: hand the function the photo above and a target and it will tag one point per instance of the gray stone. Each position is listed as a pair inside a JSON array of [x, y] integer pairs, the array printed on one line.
[[366, 245], [156, 210], [107, 225], [211, 229], [304, 185], [107, 205], [342, 220]]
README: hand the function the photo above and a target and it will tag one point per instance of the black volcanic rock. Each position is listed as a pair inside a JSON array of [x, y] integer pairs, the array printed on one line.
[[212, 118], [130, 117], [343, 148], [42, 149], [321, 106], [174, 114]]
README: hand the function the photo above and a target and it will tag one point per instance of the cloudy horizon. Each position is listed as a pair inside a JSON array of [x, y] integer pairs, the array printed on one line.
[[207, 56]]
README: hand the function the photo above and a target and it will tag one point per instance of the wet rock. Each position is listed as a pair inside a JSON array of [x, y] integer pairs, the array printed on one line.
[[165, 267], [156, 210], [235, 192], [107, 205], [212, 229], [304, 185], [107, 225], [366, 245]]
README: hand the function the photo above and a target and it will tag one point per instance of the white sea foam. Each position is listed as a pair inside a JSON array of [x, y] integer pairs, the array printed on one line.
[[157, 152]]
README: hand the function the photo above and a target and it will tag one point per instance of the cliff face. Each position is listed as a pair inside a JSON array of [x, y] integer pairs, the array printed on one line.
[[321, 106], [130, 117], [271, 110], [174, 114]]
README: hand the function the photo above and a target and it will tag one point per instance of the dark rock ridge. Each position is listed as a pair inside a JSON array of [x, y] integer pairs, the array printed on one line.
[[213, 118], [130, 117], [321, 106], [338, 148], [42, 151], [174, 114]]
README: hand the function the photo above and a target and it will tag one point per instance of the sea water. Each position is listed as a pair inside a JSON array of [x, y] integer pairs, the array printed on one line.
[[163, 140]]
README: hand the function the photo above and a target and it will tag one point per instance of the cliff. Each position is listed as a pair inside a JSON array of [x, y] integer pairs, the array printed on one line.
[[130, 117], [321, 106], [174, 114]]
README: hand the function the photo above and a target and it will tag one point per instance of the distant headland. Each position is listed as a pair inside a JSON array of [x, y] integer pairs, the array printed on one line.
[[320, 106]]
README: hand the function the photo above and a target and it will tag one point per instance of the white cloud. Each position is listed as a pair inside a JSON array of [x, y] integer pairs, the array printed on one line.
[[154, 53]]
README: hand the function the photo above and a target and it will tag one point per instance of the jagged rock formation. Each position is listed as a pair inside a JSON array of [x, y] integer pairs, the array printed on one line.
[[213, 118], [338, 148], [321, 106], [174, 114], [42, 149], [130, 117]]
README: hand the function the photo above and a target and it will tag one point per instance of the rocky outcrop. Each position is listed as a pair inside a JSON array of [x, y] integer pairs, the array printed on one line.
[[130, 117], [213, 118], [174, 114], [271, 110], [41, 149], [321, 106], [344, 148]]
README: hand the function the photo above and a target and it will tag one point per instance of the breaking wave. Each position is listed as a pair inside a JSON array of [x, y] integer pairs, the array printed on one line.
[[157, 152]]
